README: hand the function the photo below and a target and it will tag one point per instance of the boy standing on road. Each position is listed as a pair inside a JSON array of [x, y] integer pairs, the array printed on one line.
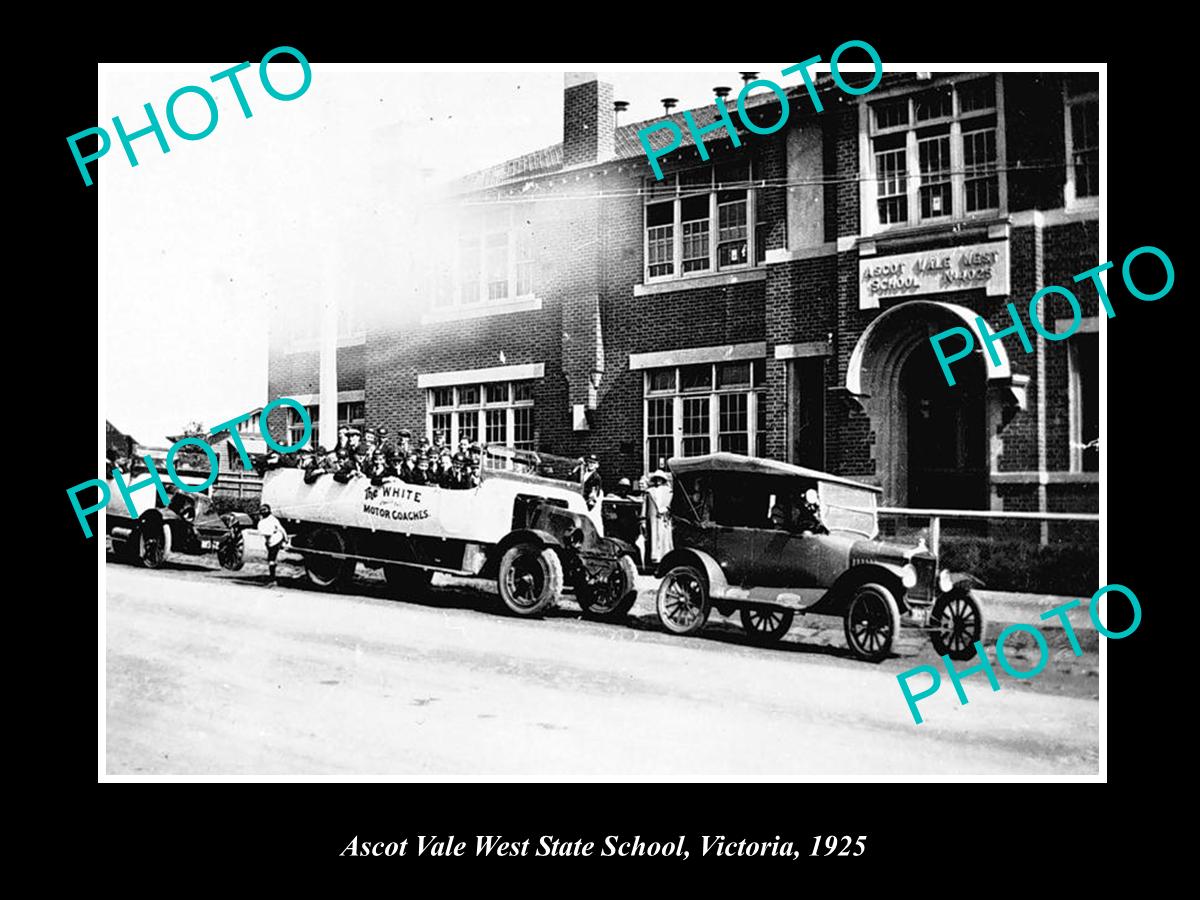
[[272, 530]]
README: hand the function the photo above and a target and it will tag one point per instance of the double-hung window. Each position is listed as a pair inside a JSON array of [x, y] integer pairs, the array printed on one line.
[[934, 155], [691, 410], [496, 412], [1082, 127], [700, 221], [491, 262], [350, 415]]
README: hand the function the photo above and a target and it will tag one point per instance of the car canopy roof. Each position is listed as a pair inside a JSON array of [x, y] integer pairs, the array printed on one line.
[[734, 462]]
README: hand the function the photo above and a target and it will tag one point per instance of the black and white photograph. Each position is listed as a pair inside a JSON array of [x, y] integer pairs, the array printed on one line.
[[651, 423]]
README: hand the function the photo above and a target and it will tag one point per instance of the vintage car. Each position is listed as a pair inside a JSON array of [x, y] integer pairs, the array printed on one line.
[[186, 526], [769, 540], [526, 525]]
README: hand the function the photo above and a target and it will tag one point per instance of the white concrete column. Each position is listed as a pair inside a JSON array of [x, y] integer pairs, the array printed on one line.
[[327, 417]]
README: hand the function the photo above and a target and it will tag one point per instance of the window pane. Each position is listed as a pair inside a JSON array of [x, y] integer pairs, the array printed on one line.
[[496, 426], [760, 242], [441, 427], [1085, 148], [935, 176], [933, 104], [660, 233], [695, 426], [736, 374], [468, 395], [523, 428], [731, 229], [979, 163], [696, 378], [760, 425], [732, 174], [664, 187], [733, 423], [660, 429], [443, 396], [890, 114], [891, 170], [497, 265], [696, 181], [977, 95], [695, 221], [497, 392], [469, 262], [524, 259], [760, 372], [522, 391], [468, 426], [662, 380]]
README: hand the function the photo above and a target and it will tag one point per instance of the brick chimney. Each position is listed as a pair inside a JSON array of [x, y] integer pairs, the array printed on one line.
[[589, 121]]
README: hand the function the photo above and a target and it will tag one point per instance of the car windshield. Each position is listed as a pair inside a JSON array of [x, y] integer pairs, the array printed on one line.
[[847, 508]]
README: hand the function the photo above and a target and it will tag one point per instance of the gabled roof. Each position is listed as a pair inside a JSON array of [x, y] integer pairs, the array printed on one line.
[[733, 462]]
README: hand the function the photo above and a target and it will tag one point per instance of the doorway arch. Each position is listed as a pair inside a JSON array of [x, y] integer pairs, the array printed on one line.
[[932, 444]]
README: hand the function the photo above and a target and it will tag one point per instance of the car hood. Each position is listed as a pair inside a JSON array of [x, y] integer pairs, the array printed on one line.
[[885, 551]]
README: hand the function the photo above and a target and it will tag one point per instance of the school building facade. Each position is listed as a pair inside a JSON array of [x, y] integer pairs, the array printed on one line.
[[776, 299]]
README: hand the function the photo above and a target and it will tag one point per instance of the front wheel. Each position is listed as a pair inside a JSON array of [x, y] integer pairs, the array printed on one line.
[[328, 566], [958, 623], [151, 544], [612, 598], [530, 580], [872, 622], [683, 600], [231, 552], [766, 624]]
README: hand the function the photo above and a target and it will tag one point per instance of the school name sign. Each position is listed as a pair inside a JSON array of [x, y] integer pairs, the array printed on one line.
[[968, 267]]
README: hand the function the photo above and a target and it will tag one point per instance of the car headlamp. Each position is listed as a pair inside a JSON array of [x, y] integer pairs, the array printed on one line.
[[945, 582], [908, 576]]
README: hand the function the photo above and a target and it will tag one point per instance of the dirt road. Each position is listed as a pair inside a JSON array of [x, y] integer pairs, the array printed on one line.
[[211, 673]]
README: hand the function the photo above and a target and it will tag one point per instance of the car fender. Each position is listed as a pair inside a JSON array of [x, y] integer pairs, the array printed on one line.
[[686, 556], [167, 520], [964, 579], [237, 521], [526, 536], [837, 598], [624, 548]]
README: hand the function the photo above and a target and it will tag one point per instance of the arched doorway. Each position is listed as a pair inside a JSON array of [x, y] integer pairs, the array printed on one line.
[[946, 440], [931, 443]]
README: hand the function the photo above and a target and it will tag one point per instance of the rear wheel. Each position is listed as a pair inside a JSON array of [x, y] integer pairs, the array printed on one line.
[[958, 623], [766, 624], [614, 597], [872, 622], [327, 567], [682, 600], [407, 581], [530, 579]]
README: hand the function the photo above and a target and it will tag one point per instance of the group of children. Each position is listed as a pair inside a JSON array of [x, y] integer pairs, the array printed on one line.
[[370, 454]]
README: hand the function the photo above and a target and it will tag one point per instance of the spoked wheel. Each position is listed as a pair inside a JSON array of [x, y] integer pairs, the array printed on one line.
[[325, 570], [406, 581], [151, 544], [530, 580], [958, 623], [683, 600], [766, 624], [872, 622], [231, 553], [614, 597]]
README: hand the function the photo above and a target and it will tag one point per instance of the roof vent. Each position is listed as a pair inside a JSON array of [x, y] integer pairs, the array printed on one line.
[[722, 92], [669, 103], [747, 77]]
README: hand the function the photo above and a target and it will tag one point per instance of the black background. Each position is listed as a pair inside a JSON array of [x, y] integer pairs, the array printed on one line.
[[941, 834]]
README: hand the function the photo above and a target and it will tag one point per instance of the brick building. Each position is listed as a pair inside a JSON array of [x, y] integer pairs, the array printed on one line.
[[775, 299]]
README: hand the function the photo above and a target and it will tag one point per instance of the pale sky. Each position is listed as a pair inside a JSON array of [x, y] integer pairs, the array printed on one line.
[[307, 195]]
